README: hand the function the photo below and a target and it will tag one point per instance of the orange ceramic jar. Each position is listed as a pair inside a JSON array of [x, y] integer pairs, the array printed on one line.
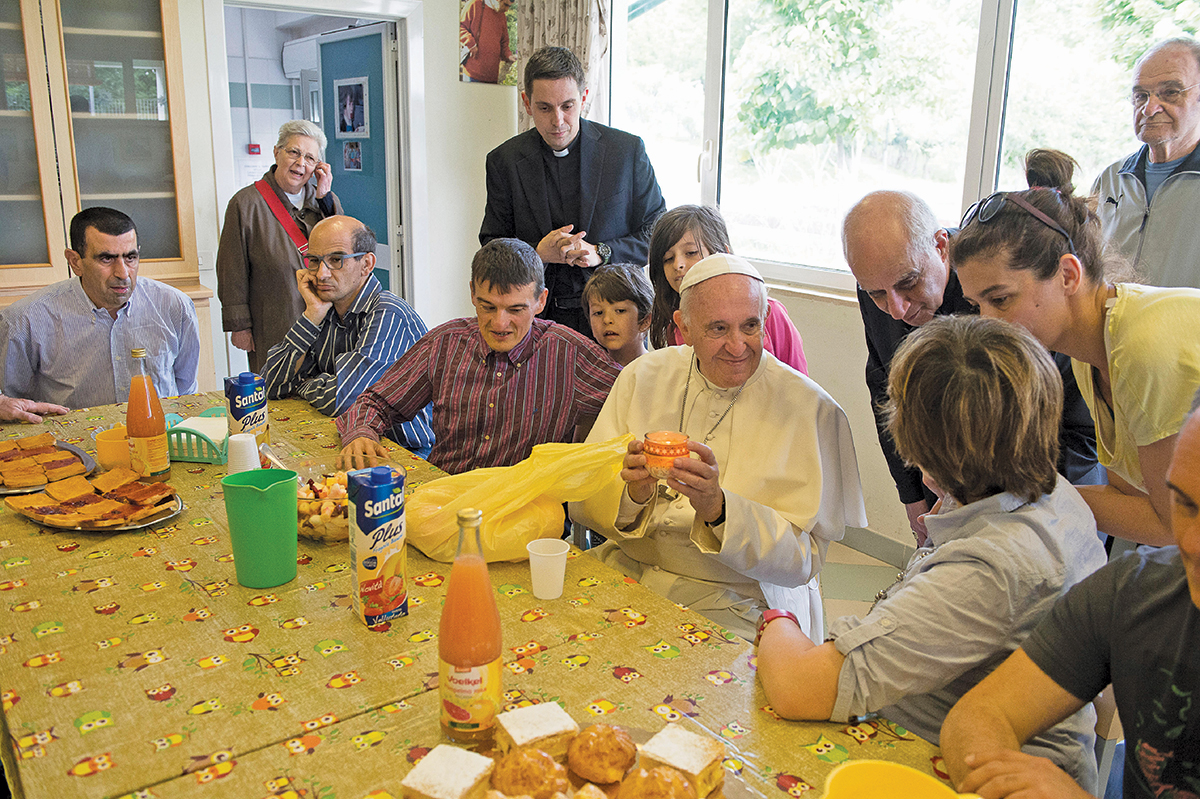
[[661, 449]]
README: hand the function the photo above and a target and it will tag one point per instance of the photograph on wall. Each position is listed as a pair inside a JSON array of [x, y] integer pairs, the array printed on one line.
[[352, 156], [353, 108], [487, 36]]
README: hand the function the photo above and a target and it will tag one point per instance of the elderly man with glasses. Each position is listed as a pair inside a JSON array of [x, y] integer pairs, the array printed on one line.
[[264, 237], [1147, 201], [351, 330]]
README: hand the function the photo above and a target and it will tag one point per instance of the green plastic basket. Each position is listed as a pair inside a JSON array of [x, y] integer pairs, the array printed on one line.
[[193, 447]]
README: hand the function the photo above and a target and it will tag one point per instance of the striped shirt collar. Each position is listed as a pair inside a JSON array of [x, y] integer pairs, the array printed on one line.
[[86, 304], [518, 354]]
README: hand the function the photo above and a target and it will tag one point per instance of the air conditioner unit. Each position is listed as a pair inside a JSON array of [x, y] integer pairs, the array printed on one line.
[[300, 54]]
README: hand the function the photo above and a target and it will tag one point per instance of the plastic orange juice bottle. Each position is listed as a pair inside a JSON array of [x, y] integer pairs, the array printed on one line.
[[469, 642], [145, 425]]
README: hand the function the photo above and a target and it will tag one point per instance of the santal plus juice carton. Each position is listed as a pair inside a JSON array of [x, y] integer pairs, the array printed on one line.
[[377, 537]]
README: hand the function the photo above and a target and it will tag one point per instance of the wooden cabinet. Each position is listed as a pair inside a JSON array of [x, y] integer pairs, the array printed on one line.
[[92, 113]]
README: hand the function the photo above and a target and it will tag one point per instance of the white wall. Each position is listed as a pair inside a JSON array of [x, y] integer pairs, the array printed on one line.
[[254, 44], [463, 121]]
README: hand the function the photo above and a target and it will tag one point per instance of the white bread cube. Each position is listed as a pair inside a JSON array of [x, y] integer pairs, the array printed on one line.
[[448, 772], [697, 757], [544, 726]]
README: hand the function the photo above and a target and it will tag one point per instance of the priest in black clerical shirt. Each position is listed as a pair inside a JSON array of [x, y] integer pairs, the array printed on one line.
[[581, 193]]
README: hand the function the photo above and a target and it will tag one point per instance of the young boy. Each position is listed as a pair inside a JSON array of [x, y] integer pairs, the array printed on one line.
[[975, 404], [618, 298]]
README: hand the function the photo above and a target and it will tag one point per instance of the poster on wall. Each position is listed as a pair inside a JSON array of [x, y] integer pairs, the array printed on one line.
[[486, 31], [353, 108], [352, 156]]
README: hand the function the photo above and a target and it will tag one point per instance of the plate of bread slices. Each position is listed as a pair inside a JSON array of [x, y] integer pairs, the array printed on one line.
[[29, 463], [542, 754], [112, 502]]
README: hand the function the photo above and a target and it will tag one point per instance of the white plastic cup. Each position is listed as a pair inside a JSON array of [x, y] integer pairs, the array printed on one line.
[[548, 566], [243, 453]]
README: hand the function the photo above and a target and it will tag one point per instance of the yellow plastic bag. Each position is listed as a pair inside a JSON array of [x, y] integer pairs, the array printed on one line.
[[520, 503]]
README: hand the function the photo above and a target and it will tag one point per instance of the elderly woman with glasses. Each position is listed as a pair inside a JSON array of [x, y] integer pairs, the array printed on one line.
[[1038, 258], [264, 239]]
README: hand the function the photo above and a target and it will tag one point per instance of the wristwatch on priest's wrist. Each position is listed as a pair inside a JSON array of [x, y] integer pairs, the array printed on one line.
[[604, 251], [770, 616]]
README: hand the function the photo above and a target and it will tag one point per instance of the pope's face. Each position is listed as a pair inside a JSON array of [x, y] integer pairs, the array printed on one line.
[[724, 326]]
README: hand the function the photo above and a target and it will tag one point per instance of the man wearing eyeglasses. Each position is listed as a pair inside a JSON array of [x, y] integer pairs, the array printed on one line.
[[350, 332], [899, 256], [1147, 202], [69, 343]]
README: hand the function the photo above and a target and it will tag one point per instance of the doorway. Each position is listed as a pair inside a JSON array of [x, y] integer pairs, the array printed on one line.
[[282, 64]]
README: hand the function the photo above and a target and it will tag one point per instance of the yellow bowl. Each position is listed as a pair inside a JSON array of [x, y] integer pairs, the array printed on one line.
[[879, 779]]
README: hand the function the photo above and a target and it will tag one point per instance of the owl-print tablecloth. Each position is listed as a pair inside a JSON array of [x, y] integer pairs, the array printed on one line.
[[133, 664]]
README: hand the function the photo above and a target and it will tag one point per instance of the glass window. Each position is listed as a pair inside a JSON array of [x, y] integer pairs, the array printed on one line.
[[826, 102], [118, 94], [1096, 126], [820, 102], [23, 234], [659, 89]]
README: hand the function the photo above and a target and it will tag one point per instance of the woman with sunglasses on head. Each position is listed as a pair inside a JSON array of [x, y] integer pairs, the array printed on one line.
[[266, 223], [682, 237], [1037, 258]]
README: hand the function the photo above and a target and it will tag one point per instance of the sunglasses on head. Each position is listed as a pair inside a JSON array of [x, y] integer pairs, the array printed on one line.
[[986, 210]]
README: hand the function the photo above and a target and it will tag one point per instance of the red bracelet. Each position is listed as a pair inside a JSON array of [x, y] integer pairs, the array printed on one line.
[[770, 616]]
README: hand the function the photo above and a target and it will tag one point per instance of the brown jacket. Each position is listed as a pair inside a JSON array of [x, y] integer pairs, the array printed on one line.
[[257, 263]]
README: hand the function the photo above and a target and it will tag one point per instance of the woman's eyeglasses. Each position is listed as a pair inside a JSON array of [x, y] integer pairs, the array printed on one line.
[[986, 210]]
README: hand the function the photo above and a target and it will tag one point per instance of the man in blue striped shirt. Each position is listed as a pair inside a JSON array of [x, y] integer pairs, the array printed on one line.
[[69, 343], [350, 332]]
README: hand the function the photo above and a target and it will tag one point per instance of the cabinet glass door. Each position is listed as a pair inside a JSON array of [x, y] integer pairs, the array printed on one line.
[[23, 232], [120, 122]]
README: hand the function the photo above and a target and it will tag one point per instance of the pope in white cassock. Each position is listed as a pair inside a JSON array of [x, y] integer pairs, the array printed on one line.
[[743, 525]]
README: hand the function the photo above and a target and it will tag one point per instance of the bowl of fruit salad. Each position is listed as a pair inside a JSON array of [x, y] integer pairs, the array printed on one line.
[[322, 504]]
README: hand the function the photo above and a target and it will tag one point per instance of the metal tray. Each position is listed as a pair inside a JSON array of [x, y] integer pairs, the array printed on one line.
[[169, 511], [89, 465]]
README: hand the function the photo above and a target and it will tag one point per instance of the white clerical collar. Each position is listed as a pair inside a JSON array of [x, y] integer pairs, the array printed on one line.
[[563, 153]]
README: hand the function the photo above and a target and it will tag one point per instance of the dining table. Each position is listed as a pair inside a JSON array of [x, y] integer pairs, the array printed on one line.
[[133, 664]]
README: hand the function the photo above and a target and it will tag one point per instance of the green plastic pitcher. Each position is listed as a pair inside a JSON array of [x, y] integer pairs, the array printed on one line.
[[260, 505]]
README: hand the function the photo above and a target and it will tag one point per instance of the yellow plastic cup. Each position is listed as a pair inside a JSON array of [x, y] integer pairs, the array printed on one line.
[[112, 448]]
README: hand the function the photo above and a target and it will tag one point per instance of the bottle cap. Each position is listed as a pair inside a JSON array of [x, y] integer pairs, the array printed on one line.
[[138, 352], [470, 516], [247, 378], [381, 475]]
